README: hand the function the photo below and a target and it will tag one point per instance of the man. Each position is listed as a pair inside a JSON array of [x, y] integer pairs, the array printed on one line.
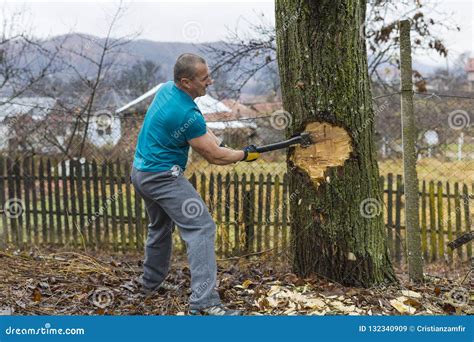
[[172, 123]]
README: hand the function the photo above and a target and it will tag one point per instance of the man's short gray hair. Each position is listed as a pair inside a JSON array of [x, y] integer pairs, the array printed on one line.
[[185, 66]]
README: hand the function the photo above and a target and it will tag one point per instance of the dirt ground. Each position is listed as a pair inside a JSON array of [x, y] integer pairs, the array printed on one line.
[[72, 283]]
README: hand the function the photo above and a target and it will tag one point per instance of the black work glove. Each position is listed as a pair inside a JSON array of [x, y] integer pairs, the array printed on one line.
[[250, 153]]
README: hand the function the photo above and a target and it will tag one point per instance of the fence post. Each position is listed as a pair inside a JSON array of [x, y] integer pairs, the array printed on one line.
[[51, 226], [4, 232], [260, 224], [236, 213], [390, 224], [415, 261], [467, 217], [27, 187], [64, 181], [248, 219], [424, 234], [19, 197], [57, 200], [227, 214], [440, 215], [44, 240], [398, 219], [433, 230], [131, 242], [449, 222], [458, 209], [88, 190]]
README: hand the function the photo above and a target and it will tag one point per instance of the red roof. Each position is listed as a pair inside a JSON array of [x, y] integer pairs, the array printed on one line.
[[267, 107], [239, 109]]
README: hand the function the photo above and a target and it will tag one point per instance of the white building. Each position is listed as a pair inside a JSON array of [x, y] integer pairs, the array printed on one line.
[[38, 108], [207, 105]]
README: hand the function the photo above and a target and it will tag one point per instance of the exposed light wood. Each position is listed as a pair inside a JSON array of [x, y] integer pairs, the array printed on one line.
[[332, 147]]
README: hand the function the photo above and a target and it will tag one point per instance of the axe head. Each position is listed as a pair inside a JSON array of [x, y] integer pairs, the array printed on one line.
[[306, 139]]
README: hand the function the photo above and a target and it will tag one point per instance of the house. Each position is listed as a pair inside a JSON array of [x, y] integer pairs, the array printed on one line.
[[105, 127], [212, 109], [40, 124], [266, 107], [219, 117], [470, 73], [20, 119]]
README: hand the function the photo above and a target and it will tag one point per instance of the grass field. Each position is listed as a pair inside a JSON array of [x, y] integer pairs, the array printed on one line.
[[428, 169]]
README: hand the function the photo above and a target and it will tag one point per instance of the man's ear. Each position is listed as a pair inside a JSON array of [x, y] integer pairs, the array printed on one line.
[[185, 83]]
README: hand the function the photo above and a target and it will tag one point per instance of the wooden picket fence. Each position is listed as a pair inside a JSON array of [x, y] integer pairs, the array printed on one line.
[[445, 213], [93, 205]]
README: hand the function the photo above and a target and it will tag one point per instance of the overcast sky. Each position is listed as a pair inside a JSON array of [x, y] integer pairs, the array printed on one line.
[[185, 21]]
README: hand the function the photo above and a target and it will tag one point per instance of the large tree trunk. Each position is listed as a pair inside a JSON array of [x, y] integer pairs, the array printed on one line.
[[337, 222]]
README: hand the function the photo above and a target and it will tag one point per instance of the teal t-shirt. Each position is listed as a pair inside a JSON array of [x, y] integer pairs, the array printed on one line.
[[172, 119]]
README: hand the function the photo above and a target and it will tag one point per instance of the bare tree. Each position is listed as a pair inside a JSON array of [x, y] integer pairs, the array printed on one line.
[[245, 54], [25, 63], [24, 60], [242, 55], [98, 57], [140, 78]]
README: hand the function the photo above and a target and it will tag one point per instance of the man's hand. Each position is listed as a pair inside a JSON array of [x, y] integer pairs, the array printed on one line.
[[250, 153]]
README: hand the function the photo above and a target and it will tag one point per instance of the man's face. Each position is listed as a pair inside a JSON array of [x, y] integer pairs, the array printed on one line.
[[197, 86]]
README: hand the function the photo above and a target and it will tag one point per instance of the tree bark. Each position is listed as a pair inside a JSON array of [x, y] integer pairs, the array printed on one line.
[[337, 221]]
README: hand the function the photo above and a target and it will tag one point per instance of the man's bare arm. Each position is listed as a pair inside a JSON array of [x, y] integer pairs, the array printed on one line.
[[218, 141], [207, 146]]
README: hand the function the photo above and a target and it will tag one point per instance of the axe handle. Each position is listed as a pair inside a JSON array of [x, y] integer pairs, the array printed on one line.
[[279, 145]]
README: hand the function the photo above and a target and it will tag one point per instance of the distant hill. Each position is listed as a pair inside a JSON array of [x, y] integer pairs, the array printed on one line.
[[162, 53], [165, 53]]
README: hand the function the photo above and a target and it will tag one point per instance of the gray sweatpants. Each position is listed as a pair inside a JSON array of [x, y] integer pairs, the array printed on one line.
[[170, 198]]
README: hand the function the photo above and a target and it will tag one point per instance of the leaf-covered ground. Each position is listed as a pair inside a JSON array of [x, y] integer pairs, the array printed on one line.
[[70, 283]]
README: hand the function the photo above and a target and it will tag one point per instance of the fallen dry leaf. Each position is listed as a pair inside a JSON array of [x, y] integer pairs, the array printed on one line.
[[412, 294], [314, 303], [36, 295], [247, 283], [401, 307], [64, 286]]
